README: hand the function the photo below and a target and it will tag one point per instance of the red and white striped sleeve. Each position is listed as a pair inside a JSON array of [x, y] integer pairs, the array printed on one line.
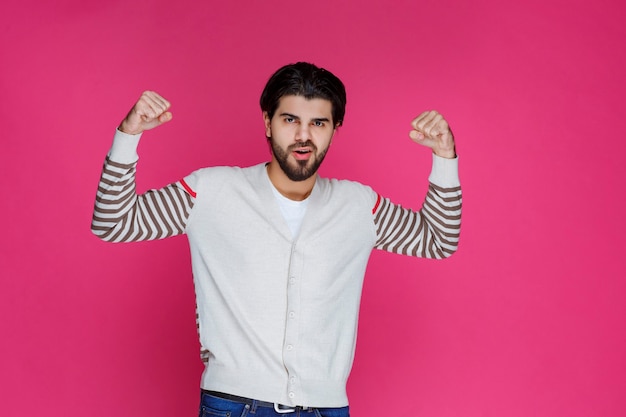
[[431, 232], [120, 215]]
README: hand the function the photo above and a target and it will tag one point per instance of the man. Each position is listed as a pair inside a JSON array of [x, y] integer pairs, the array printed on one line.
[[279, 253]]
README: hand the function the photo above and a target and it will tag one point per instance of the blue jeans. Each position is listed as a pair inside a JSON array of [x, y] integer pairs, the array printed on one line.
[[211, 406]]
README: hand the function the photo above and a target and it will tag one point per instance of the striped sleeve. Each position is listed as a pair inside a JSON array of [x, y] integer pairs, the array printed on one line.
[[431, 232], [120, 215]]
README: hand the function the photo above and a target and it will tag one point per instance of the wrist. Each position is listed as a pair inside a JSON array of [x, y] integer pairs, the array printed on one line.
[[448, 154], [124, 128]]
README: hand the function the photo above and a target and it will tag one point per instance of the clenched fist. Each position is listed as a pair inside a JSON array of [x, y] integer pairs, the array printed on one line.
[[431, 129], [149, 112]]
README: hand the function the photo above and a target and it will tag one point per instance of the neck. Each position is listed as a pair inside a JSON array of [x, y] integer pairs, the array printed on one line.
[[293, 190]]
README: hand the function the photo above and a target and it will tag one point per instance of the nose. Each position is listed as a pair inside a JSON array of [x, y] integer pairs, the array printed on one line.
[[303, 133]]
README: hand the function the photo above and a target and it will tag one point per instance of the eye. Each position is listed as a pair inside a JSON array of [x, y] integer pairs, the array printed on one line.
[[290, 119], [318, 123]]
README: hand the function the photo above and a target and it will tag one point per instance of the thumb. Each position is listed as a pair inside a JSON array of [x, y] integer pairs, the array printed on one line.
[[165, 117], [420, 138], [416, 135]]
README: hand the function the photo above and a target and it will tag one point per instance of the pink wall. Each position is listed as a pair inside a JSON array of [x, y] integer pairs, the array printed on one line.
[[527, 319]]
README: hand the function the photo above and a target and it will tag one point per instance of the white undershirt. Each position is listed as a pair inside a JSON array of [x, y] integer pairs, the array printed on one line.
[[293, 211]]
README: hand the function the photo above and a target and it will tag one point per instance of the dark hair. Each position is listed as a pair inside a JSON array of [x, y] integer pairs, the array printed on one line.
[[306, 80]]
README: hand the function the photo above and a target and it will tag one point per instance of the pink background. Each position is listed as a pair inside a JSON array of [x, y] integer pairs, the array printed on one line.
[[528, 319]]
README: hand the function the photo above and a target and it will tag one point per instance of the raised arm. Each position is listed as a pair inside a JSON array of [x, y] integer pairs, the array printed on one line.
[[120, 215], [433, 231]]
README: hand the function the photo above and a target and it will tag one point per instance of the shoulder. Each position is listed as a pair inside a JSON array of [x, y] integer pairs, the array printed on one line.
[[347, 191], [219, 176]]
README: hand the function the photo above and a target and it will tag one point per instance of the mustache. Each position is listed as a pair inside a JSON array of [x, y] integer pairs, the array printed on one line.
[[307, 144]]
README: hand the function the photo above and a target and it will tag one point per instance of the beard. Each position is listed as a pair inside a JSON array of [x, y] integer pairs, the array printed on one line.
[[298, 170]]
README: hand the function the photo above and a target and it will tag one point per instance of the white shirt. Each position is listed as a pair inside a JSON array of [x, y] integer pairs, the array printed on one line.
[[293, 211]]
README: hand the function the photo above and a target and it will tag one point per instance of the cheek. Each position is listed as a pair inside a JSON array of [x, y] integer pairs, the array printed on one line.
[[324, 139], [285, 132]]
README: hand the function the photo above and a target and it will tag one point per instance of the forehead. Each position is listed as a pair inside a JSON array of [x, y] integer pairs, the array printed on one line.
[[305, 108]]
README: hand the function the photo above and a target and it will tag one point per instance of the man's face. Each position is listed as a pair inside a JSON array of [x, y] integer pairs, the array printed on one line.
[[300, 133]]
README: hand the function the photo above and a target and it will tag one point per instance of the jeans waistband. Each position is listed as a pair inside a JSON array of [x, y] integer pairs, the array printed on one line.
[[279, 408]]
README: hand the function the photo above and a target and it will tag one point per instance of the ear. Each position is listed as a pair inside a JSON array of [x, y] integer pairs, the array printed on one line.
[[268, 124]]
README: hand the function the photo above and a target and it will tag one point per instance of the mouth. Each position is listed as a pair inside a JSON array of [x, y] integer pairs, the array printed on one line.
[[302, 153]]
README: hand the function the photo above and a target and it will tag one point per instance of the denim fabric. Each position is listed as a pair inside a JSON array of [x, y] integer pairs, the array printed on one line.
[[211, 406]]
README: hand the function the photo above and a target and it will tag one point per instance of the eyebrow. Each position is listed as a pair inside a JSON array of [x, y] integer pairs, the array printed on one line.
[[316, 119]]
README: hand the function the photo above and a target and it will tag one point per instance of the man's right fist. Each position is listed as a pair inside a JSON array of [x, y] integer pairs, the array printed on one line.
[[149, 112]]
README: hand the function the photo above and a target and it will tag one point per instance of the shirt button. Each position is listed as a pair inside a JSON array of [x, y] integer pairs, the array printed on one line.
[[292, 379], [289, 347], [292, 395], [292, 314]]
